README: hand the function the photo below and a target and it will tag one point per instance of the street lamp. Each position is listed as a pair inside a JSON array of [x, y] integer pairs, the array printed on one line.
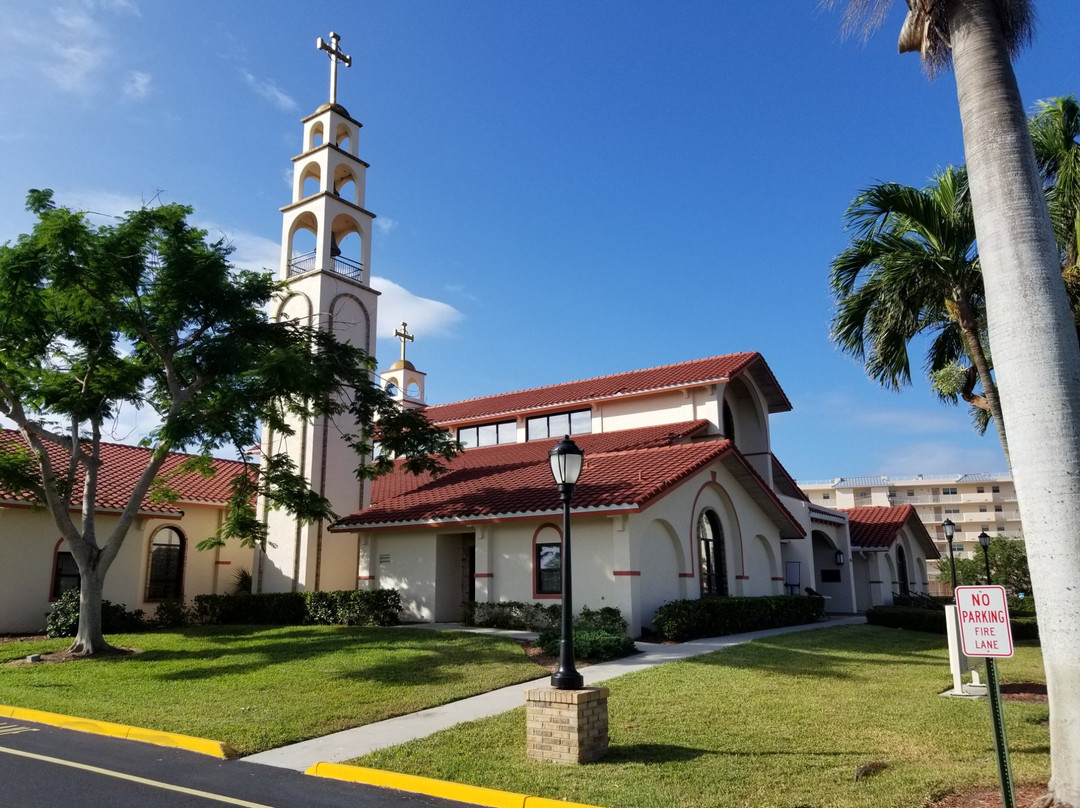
[[984, 541], [566, 463], [950, 531]]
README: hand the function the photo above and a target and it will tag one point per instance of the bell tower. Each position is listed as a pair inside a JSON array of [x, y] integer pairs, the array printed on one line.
[[402, 380], [326, 265]]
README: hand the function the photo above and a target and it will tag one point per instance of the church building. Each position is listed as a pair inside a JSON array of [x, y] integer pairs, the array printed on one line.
[[681, 495]]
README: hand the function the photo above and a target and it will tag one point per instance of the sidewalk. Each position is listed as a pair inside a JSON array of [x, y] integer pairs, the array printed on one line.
[[359, 741]]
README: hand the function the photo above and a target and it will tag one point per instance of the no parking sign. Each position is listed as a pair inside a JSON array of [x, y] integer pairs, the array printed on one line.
[[984, 621]]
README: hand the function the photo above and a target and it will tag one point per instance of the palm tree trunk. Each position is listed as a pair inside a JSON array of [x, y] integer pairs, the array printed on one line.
[[1036, 356]]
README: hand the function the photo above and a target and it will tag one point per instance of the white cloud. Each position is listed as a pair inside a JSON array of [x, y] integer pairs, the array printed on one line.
[[250, 251], [424, 315], [385, 225], [269, 90], [137, 85]]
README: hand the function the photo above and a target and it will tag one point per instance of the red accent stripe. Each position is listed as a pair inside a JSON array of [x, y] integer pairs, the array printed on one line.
[[877, 582], [742, 577], [686, 575], [483, 575], [223, 563], [777, 579], [365, 577], [626, 572]]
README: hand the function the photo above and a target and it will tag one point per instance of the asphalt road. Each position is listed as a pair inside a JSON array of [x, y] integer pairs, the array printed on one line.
[[47, 767]]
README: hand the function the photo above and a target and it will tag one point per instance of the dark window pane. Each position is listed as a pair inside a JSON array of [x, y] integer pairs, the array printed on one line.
[[548, 569]]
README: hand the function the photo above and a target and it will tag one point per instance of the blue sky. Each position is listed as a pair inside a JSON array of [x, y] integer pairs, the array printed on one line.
[[563, 189]]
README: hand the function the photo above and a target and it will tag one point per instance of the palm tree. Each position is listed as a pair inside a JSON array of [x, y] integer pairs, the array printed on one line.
[[1055, 128], [1030, 326], [912, 268]]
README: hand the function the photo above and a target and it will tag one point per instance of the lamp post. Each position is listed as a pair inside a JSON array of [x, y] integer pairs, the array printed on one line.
[[950, 531], [566, 463], [984, 542]]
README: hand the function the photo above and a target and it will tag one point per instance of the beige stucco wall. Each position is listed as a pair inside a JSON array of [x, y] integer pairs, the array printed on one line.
[[28, 542]]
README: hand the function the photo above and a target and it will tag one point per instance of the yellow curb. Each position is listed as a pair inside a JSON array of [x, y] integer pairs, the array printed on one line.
[[201, 745], [436, 788]]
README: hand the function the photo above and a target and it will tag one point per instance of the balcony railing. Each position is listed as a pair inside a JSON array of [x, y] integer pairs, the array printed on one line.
[[339, 265]]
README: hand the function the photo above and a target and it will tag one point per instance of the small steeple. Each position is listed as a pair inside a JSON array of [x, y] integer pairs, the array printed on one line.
[[336, 55], [402, 380]]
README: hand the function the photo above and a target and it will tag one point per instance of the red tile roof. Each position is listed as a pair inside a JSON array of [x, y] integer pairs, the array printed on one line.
[[877, 527], [120, 470], [684, 374], [624, 471]]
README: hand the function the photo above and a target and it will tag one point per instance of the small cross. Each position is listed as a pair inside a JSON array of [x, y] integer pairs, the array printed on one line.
[[336, 55], [404, 335]]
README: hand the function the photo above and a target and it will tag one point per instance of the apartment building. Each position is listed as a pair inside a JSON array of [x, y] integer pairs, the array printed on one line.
[[974, 502]]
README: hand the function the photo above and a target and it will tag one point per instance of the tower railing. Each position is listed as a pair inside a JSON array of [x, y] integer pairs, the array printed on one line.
[[339, 265]]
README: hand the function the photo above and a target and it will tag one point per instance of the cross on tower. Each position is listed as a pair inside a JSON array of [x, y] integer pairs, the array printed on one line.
[[404, 335], [336, 55]]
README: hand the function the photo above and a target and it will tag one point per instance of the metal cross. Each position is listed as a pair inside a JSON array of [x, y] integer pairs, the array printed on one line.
[[404, 335], [336, 55]]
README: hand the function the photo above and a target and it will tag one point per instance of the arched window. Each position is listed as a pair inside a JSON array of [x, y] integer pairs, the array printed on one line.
[[165, 575], [902, 571], [711, 554], [729, 423], [65, 572]]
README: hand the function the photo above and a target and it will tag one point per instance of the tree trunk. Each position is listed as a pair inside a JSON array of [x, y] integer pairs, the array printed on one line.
[[1036, 357], [970, 331], [89, 639]]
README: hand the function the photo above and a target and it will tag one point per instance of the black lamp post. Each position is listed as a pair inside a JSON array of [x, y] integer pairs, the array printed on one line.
[[566, 463], [984, 541], [950, 531]]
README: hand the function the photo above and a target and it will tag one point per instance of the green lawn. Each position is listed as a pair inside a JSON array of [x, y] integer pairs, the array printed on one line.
[[779, 722], [258, 688]]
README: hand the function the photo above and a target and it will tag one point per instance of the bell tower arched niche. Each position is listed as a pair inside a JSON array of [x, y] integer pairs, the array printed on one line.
[[746, 416]]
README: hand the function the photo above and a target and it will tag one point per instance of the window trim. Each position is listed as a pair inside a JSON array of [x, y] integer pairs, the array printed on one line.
[[54, 594], [547, 419], [712, 567]]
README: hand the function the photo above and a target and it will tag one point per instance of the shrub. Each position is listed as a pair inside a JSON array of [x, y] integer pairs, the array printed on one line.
[[933, 622], [350, 607], [171, 614], [598, 635], [511, 614], [682, 620], [63, 619]]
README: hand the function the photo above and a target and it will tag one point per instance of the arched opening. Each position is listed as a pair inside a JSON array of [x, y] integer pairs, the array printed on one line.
[[346, 248], [345, 184], [712, 558], [342, 139], [302, 242], [165, 566], [744, 421], [729, 423], [315, 136], [310, 180], [902, 577], [413, 390]]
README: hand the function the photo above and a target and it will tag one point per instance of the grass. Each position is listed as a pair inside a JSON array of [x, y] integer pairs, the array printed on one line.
[[259, 688], [781, 722]]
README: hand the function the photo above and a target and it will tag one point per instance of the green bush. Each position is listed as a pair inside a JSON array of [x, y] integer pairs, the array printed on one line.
[[682, 620], [171, 614], [933, 622], [598, 635], [350, 607], [63, 619], [511, 614], [354, 607]]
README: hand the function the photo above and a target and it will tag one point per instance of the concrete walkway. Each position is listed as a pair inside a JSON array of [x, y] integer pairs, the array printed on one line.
[[359, 741]]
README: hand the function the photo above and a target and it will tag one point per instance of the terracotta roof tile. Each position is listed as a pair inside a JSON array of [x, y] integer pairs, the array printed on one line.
[[623, 470], [878, 526], [121, 467], [698, 371]]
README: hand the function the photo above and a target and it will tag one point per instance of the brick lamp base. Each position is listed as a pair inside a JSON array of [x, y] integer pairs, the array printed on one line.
[[566, 726]]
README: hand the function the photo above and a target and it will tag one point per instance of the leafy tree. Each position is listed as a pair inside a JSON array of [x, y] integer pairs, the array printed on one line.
[[912, 268], [1008, 566], [146, 312], [1030, 325], [1055, 128]]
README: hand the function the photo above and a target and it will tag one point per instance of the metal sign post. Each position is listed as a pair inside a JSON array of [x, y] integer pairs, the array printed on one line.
[[984, 631]]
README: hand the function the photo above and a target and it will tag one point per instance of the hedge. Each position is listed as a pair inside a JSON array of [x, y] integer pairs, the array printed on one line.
[[511, 614], [682, 620], [598, 635], [932, 621], [350, 607]]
